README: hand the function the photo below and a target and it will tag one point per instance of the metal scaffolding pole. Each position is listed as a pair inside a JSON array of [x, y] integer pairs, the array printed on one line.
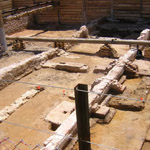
[[81, 40]]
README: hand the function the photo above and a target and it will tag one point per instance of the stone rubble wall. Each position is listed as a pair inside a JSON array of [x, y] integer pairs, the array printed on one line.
[[18, 70], [101, 87], [145, 35]]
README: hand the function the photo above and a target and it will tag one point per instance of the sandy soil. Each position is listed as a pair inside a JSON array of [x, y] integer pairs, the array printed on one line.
[[124, 132], [126, 127]]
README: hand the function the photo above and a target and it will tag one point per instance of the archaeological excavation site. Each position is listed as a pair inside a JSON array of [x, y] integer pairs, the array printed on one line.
[[74, 74]]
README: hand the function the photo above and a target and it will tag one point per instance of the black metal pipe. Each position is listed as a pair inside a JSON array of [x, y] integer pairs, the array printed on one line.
[[82, 112]]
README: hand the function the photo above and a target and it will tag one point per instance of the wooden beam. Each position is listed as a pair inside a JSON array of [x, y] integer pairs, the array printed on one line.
[[141, 8], [85, 12], [2, 34], [112, 9], [81, 40]]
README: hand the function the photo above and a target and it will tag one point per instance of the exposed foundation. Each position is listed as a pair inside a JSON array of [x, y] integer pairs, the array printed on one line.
[[122, 122]]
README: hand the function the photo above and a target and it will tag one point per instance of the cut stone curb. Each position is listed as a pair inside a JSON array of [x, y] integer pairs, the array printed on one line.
[[67, 66]]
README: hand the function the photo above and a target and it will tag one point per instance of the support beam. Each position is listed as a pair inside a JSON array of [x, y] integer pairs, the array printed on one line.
[[112, 9], [102, 87], [2, 34], [81, 40], [85, 12], [82, 112], [141, 8]]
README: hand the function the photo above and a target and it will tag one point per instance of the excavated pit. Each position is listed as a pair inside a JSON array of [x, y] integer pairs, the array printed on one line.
[[127, 126]]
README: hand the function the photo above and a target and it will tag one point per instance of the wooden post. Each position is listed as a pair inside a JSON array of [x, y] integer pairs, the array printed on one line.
[[2, 34], [82, 112], [141, 8], [112, 9], [84, 12]]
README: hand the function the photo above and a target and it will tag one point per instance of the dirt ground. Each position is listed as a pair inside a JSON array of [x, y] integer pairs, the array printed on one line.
[[127, 129]]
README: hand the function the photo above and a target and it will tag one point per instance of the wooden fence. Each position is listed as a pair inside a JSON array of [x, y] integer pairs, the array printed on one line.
[[5, 5], [80, 11]]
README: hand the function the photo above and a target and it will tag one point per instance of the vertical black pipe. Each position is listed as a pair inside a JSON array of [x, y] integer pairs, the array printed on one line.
[[82, 112]]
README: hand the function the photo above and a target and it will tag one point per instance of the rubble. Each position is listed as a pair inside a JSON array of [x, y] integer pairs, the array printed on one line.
[[147, 52], [101, 112], [18, 70], [131, 69], [100, 69], [145, 35], [61, 112], [82, 33], [122, 79], [117, 87], [18, 45], [8, 110], [126, 104], [107, 51], [108, 117]]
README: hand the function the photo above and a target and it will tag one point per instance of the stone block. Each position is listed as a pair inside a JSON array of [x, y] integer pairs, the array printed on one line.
[[110, 115], [100, 69], [117, 87], [126, 104], [145, 34], [122, 79], [82, 33], [67, 66], [72, 67], [101, 112], [61, 112]]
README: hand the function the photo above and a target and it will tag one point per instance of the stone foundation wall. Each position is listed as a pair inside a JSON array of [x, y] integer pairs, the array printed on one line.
[[16, 25]]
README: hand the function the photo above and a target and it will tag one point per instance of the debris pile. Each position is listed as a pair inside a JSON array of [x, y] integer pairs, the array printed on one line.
[[131, 69], [107, 51], [18, 45], [82, 33], [147, 52]]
